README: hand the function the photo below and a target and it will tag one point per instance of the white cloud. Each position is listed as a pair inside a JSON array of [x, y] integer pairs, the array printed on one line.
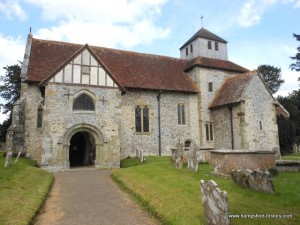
[[110, 23], [11, 8], [252, 11]]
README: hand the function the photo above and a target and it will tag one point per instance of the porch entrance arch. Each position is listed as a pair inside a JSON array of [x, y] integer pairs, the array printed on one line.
[[82, 144]]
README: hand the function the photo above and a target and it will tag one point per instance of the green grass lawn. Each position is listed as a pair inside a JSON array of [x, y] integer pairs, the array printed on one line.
[[173, 195], [23, 189], [292, 156]]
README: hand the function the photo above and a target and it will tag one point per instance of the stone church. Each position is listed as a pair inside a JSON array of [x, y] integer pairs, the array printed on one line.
[[89, 105]]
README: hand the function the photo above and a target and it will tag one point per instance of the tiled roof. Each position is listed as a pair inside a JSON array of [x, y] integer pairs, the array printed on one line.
[[131, 70], [203, 33], [215, 63], [232, 90], [144, 71]]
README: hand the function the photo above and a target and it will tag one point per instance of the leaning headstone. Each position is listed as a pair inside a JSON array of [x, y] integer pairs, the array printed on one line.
[[295, 148], [215, 203], [177, 155], [18, 156], [193, 161], [256, 180], [8, 158]]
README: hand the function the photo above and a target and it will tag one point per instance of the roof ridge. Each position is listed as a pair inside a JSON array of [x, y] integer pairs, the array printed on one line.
[[113, 49]]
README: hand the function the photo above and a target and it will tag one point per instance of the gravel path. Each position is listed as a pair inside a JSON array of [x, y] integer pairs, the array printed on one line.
[[89, 196]]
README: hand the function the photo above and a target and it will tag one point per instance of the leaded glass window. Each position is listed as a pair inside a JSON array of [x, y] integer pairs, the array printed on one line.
[[181, 114], [209, 132], [142, 119], [84, 102]]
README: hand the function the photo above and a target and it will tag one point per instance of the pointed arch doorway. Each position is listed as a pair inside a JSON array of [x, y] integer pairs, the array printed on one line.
[[82, 149]]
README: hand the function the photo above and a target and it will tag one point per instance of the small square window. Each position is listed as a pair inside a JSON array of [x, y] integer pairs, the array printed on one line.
[[85, 69], [210, 87], [216, 46], [209, 45]]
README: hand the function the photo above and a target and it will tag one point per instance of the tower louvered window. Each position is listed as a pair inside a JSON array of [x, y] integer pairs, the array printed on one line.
[[84, 102]]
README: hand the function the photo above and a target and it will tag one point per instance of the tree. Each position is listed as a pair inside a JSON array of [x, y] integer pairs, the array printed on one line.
[[289, 128], [272, 77], [296, 66], [10, 87]]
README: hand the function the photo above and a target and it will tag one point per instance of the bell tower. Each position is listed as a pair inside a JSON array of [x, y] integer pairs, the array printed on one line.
[[206, 44]]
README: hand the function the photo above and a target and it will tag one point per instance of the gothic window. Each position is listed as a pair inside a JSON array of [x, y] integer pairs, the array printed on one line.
[[83, 102], [186, 50], [142, 119], [191, 46], [216, 46], [181, 114], [39, 123], [210, 87], [209, 132], [209, 45]]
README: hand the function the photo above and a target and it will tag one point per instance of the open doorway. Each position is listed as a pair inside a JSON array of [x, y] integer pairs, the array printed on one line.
[[82, 149]]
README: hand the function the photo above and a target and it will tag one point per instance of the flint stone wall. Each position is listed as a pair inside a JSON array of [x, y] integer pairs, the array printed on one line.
[[224, 161], [256, 180], [215, 203]]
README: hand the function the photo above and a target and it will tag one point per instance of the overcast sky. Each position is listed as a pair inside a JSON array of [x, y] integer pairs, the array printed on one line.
[[258, 31]]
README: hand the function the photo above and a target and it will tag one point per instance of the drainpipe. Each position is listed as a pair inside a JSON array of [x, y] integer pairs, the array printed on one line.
[[159, 128], [231, 127]]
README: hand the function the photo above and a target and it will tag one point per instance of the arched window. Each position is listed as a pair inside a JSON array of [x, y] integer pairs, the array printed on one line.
[[83, 102], [187, 145], [39, 122]]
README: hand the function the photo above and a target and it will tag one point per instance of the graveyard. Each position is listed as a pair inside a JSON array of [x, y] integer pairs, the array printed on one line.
[[170, 194], [173, 195]]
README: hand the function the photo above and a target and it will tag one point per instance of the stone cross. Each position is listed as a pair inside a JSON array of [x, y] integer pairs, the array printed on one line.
[[215, 203], [68, 94], [103, 100], [8, 158]]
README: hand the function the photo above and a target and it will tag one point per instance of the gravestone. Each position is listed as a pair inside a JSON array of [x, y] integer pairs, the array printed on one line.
[[215, 203], [193, 161], [298, 148], [139, 154], [295, 148], [256, 180], [177, 155], [8, 158], [18, 156]]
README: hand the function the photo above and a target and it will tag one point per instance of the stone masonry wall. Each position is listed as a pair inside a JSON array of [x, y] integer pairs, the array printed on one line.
[[171, 132], [33, 135], [261, 117], [203, 76], [224, 161], [59, 117]]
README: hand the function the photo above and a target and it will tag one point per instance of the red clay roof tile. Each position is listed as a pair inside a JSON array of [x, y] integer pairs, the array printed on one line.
[[130, 69], [232, 90], [215, 63]]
